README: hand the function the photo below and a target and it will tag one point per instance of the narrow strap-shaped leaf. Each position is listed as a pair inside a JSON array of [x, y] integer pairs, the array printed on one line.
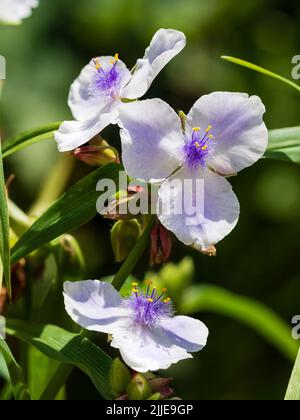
[[27, 138], [284, 144], [293, 391], [246, 310], [72, 210], [68, 348], [20, 389], [262, 70], [4, 231]]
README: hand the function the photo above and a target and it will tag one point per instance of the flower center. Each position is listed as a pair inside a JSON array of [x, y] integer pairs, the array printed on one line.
[[149, 307], [198, 147], [107, 81]]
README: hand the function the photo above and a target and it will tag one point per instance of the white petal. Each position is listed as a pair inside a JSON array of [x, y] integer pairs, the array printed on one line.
[[72, 134], [95, 305], [241, 136], [151, 138], [165, 45], [148, 349], [13, 11], [85, 101], [217, 207], [186, 332]]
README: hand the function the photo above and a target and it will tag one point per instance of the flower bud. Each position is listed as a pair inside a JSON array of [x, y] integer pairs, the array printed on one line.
[[161, 386], [139, 388], [124, 236], [97, 155], [161, 245], [119, 377], [155, 396]]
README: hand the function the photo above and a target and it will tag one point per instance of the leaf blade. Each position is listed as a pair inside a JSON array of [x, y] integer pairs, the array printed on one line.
[[293, 390], [4, 233], [67, 348], [72, 210], [284, 144]]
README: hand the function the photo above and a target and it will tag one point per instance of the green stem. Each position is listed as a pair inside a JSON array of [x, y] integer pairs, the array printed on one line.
[[57, 382], [293, 391], [133, 258]]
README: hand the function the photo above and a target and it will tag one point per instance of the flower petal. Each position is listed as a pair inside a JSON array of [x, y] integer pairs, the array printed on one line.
[[85, 100], [148, 349], [241, 136], [216, 212], [72, 134], [165, 45], [151, 139], [13, 11], [186, 332], [95, 305]]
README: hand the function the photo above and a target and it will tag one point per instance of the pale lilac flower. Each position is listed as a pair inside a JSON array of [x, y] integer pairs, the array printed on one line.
[[142, 326], [224, 133], [105, 82], [13, 11]]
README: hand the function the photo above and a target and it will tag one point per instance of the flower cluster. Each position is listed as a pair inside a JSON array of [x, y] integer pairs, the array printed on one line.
[[222, 134]]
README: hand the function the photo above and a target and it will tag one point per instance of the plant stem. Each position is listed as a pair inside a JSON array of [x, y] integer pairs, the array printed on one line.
[[133, 258]]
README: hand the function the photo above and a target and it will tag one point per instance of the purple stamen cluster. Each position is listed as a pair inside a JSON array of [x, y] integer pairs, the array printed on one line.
[[198, 147], [149, 307], [107, 82]]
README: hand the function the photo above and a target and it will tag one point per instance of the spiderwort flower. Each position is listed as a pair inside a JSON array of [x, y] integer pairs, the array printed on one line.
[[13, 11], [105, 82], [223, 133], [142, 326]]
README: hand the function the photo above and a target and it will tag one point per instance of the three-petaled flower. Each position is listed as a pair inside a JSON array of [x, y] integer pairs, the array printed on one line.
[[105, 82], [223, 133], [13, 11], [142, 326]]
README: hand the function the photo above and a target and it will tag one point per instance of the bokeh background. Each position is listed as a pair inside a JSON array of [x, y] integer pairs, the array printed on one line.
[[260, 259]]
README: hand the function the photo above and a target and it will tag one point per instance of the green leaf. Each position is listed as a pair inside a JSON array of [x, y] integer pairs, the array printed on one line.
[[4, 231], [293, 391], [248, 311], [284, 144], [259, 69], [27, 138], [68, 348], [20, 389], [72, 210]]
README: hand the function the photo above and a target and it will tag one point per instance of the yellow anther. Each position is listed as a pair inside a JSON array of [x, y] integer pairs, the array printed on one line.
[[117, 57], [164, 290], [148, 282], [134, 284], [167, 300], [197, 145], [210, 136], [150, 300], [204, 147], [208, 128], [135, 291], [97, 64], [196, 129]]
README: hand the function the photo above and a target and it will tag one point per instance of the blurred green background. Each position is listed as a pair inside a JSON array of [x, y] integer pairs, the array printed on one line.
[[260, 258]]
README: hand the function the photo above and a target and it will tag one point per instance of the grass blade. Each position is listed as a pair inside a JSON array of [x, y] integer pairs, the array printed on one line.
[[293, 391], [72, 210], [248, 311], [27, 138], [259, 69], [67, 348]]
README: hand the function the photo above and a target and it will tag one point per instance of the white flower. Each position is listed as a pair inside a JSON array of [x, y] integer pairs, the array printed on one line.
[[155, 146], [143, 327], [13, 11], [97, 94]]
